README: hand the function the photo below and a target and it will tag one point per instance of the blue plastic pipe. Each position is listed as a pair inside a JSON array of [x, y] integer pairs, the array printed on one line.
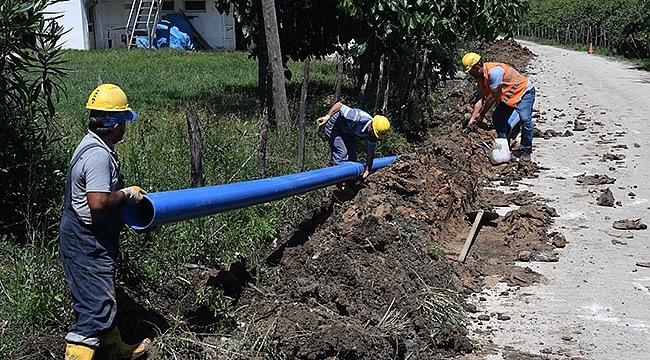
[[172, 206]]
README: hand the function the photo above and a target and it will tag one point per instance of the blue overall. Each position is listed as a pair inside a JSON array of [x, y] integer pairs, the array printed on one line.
[[88, 254], [343, 133], [508, 120]]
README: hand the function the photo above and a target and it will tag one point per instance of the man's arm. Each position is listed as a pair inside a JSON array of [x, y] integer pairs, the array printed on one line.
[[490, 100], [101, 201], [333, 110], [483, 105], [495, 86], [98, 179], [478, 99], [370, 157], [476, 112]]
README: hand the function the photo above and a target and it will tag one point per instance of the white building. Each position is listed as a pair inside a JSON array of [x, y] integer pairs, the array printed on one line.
[[101, 24]]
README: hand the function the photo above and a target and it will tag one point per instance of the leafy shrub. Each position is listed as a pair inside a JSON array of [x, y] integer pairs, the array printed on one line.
[[30, 83]]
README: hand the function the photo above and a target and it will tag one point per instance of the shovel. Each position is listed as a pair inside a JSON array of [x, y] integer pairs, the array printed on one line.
[[476, 217]]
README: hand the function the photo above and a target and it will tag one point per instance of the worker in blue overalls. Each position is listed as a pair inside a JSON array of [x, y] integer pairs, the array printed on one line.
[[344, 126], [90, 227]]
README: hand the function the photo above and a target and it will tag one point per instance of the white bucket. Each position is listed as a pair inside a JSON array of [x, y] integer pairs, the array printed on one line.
[[500, 151]]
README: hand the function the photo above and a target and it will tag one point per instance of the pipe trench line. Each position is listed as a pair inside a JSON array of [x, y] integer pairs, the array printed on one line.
[[167, 207]]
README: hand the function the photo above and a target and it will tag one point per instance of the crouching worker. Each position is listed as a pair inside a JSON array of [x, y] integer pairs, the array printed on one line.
[[513, 94], [344, 126], [90, 227]]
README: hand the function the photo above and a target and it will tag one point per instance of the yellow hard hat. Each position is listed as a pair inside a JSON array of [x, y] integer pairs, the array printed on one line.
[[107, 97], [380, 126], [469, 60]]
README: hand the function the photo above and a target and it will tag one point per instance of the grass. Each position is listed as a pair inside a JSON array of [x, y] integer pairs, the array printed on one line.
[[441, 305], [155, 155], [32, 291]]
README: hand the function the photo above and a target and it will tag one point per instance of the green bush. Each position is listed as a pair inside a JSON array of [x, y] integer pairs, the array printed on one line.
[[30, 83]]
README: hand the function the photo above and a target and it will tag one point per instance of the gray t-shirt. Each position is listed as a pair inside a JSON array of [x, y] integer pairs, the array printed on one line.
[[97, 170]]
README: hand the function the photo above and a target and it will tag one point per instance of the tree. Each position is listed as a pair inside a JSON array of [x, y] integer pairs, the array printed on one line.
[[274, 52], [30, 83], [620, 25], [310, 33], [422, 38], [403, 30]]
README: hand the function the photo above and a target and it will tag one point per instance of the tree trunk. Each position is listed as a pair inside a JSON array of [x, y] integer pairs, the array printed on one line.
[[196, 156], [280, 105], [386, 90], [362, 92], [365, 62], [380, 83], [423, 79], [410, 89], [339, 77], [401, 79], [303, 115], [261, 148], [264, 87]]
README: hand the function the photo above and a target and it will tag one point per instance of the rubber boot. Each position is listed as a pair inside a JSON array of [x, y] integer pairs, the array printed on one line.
[[113, 348], [78, 352]]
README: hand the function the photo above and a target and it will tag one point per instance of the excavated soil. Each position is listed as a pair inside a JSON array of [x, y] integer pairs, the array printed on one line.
[[375, 280], [374, 274]]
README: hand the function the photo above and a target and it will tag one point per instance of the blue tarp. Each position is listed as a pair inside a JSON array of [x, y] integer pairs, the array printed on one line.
[[172, 31]]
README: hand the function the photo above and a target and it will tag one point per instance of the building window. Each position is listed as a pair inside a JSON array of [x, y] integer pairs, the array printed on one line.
[[194, 5], [167, 6]]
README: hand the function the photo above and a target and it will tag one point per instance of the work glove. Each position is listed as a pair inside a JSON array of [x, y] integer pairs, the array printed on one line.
[[469, 128], [364, 175], [133, 194], [323, 120]]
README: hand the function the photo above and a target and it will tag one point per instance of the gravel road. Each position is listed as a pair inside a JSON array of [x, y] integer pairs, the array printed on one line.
[[595, 302]]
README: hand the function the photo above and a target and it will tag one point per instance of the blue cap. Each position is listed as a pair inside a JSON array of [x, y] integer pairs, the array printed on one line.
[[117, 117]]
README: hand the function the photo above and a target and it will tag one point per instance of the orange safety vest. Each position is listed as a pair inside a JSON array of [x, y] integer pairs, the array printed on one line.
[[513, 84]]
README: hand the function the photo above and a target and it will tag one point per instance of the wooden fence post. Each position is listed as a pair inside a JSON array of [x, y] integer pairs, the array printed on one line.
[[303, 115], [196, 156]]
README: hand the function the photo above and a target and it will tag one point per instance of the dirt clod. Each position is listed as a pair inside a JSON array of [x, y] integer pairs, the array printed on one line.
[[627, 224], [606, 198], [595, 179], [558, 240]]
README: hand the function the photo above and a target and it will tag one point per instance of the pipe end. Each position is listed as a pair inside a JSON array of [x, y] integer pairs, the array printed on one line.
[[139, 216]]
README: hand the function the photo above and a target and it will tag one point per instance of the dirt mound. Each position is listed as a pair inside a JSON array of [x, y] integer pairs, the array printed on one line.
[[508, 51], [375, 279], [372, 281]]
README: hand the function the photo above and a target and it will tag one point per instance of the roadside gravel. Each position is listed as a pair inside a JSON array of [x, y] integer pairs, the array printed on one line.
[[595, 302]]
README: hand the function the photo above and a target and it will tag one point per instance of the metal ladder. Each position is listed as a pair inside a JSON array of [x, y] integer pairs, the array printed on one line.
[[143, 18]]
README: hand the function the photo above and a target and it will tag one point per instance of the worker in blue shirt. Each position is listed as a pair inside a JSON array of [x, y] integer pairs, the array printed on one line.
[[344, 126]]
